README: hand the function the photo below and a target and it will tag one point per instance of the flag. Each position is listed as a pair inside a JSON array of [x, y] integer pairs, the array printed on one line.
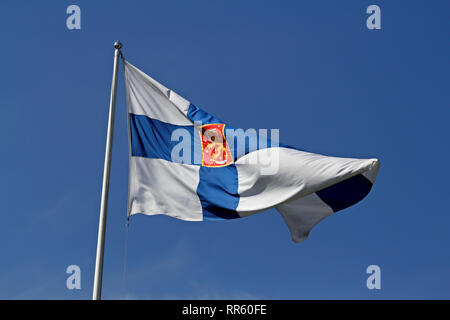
[[187, 164]]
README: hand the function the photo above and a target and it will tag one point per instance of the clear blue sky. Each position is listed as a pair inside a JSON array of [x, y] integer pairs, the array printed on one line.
[[310, 68]]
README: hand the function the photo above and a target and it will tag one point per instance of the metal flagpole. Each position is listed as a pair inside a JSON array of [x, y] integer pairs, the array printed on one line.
[[97, 292]]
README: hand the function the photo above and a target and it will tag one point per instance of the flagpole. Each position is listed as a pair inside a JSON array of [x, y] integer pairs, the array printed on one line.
[[97, 292]]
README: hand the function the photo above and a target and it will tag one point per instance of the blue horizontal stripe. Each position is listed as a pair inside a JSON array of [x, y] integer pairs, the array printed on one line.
[[248, 140], [243, 142], [345, 193], [152, 138]]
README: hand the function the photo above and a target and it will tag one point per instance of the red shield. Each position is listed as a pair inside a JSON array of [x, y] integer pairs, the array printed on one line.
[[215, 151]]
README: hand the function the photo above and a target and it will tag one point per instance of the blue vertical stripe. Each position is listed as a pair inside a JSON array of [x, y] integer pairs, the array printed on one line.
[[218, 192], [196, 114], [249, 140]]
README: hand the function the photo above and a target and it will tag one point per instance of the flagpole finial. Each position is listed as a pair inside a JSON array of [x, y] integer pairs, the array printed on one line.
[[117, 45]]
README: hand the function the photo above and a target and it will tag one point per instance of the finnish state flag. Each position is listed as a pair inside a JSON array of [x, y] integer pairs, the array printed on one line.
[[187, 164]]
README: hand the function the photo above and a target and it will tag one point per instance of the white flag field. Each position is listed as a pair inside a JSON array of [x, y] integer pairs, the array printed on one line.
[[187, 164]]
